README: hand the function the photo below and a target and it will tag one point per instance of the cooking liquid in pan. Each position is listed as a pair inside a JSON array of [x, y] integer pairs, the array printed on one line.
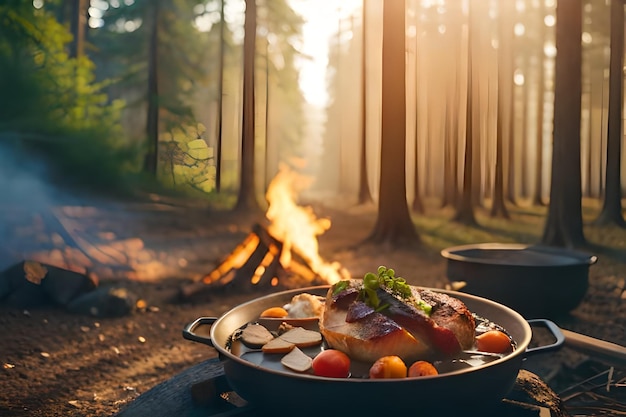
[[271, 361]]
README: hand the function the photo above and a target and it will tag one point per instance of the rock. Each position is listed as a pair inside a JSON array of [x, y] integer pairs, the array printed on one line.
[[29, 284], [27, 295], [530, 389], [20, 285], [104, 302], [63, 285], [5, 286]]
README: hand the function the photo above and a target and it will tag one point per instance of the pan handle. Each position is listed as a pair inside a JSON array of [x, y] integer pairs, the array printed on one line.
[[600, 349], [556, 332], [189, 330]]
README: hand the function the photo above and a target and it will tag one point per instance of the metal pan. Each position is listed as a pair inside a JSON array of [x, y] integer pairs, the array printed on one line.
[[285, 393]]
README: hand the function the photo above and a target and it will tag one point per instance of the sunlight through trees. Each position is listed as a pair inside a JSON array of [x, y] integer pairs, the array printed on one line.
[[166, 85]]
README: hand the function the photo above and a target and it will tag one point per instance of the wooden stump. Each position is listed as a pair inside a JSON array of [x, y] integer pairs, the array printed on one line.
[[194, 392]]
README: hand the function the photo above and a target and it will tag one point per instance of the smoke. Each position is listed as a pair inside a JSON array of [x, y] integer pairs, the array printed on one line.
[[25, 191], [24, 177]]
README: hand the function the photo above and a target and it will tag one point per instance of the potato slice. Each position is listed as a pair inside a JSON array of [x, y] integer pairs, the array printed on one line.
[[255, 336], [302, 337], [278, 345], [296, 360]]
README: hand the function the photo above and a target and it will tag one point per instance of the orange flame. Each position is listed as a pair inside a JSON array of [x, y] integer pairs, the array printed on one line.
[[297, 226]]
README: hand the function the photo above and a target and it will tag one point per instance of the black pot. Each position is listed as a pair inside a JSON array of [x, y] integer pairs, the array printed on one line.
[[536, 281], [281, 392]]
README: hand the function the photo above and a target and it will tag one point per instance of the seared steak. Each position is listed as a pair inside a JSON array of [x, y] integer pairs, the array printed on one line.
[[422, 324]]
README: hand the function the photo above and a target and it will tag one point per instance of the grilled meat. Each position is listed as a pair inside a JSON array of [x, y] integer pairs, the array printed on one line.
[[422, 324]]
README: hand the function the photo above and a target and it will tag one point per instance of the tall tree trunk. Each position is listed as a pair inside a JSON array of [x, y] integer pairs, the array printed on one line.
[[267, 113], [394, 225], [416, 205], [451, 108], [246, 198], [465, 208], [451, 145], [477, 36], [365, 196], [450, 191], [477, 136], [564, 226], [600, 167], [78, 25], [220, 103], [612, 209], [537, 194], [510, 188], [498, 208], [152, 124], [588, 186], [524, 159]]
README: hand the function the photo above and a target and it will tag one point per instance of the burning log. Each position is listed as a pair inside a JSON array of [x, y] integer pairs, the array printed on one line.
[[258, 261], [285, 254]]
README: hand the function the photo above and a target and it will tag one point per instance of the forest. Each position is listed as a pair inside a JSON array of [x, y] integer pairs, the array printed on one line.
[[468, 103], [140, 139]]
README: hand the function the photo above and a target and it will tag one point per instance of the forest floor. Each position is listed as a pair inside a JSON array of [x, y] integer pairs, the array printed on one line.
[[59, 364]]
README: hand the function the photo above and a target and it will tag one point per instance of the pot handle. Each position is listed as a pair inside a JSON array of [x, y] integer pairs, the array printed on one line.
[[556, 332], [189, 330]]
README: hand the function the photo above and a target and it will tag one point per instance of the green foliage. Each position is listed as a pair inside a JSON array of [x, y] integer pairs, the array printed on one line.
[[122, 55], [122, 52], [54, 104], [188, 62], [187, 160], [71, 110]]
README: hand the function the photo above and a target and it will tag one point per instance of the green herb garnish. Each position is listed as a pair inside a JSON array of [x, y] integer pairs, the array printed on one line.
[[386, 277], [340, 286], [426, 308]]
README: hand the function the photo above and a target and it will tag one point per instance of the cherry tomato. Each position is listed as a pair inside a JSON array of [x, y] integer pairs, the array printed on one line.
[[493, 341], [388, 367], [331, 363], [422, 368]]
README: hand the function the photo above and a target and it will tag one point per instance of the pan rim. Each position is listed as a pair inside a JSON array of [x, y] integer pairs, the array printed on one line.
[[577, 258]]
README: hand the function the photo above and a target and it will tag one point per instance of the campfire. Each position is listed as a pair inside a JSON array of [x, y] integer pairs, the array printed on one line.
[[284, 253]]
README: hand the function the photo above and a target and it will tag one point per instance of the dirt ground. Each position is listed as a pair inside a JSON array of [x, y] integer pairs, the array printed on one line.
[[59, 364]]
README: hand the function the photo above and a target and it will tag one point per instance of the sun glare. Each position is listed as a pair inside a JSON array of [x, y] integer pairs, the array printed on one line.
[[322, 20]]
